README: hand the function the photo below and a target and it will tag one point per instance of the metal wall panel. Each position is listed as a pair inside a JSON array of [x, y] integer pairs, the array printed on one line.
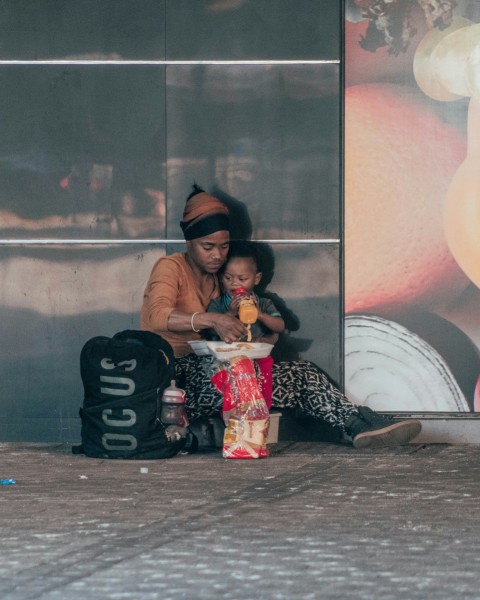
[[82, 29], [267, 135], [82, 151], [110, 111], [54, 298], [253, 30]]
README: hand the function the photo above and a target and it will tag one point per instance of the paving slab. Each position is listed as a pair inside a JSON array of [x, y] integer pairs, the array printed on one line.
[[314, 520]]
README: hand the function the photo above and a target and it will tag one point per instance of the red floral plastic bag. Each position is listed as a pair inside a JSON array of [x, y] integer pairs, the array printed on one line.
[[244, 409]]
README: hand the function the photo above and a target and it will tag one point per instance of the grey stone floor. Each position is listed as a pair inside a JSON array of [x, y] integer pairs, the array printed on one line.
[[314, 520]]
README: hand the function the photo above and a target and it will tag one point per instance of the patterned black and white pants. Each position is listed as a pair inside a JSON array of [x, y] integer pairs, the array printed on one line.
[[296, 384]]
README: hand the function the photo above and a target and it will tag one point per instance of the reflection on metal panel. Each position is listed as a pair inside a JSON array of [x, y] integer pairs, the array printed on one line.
[[266, 136], [304, 282], [53, 301], [81, 152], [241, 29], [88, 29]]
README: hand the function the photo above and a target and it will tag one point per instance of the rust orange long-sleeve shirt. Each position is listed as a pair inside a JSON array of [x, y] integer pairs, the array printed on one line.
[[171, 286]]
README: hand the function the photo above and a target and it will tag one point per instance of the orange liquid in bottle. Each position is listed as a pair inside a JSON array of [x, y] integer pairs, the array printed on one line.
[[247, 312]]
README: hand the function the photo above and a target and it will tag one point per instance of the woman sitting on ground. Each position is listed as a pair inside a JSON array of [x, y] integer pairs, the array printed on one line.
[[175, 302]]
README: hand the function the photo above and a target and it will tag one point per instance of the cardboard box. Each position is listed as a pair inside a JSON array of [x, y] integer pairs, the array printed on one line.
[[274, 426]]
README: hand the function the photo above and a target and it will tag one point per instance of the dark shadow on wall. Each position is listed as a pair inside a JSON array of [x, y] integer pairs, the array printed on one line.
[[240, 223], [287, 348]]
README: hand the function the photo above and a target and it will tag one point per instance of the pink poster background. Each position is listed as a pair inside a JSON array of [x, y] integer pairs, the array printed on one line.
[[412, 205]]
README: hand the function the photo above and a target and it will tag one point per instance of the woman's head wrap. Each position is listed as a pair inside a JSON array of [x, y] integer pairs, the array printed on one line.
[[203, 215]]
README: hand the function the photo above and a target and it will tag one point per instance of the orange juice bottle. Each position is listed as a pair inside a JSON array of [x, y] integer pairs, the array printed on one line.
[[247, 311]]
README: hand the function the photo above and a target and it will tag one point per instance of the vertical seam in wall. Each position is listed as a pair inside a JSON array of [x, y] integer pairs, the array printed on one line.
[[165, 137], [341, 158]]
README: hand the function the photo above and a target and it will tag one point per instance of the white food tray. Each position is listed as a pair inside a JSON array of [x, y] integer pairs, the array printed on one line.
[[252, 350]]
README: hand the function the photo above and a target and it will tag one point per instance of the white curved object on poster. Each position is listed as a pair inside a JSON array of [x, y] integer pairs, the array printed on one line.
[[389, 368], [423, 67]]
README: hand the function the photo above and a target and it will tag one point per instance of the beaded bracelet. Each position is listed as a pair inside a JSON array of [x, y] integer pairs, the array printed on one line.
[[191, 323]]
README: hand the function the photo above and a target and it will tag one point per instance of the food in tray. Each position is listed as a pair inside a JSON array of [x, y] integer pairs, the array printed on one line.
[[238, 346], [253, 350]]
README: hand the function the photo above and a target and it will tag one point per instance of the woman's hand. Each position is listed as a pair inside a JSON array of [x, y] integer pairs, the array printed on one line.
[[228, 328]]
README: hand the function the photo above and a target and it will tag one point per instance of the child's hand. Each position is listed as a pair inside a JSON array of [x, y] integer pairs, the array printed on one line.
[[269, 338], [234, 304]]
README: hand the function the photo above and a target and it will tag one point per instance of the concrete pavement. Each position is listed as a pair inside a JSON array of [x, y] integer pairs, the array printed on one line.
[[314, 520]]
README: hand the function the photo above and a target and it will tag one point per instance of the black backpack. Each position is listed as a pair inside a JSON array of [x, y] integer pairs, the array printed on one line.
[[123, 379]]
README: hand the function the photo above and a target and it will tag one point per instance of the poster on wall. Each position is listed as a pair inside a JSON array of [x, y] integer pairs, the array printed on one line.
[[412, 205]]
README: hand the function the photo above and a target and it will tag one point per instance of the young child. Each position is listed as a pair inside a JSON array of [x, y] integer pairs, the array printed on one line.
[[242, 270]]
